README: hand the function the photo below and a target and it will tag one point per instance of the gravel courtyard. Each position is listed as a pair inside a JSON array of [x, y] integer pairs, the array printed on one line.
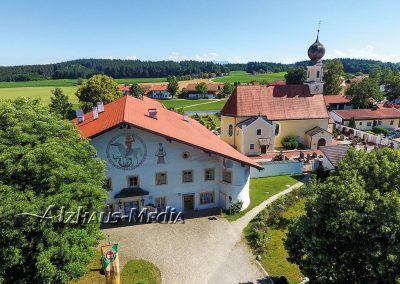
[[199, 251]]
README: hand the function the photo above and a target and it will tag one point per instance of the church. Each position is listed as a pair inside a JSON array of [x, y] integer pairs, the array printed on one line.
[[256, 118], [156, 157]]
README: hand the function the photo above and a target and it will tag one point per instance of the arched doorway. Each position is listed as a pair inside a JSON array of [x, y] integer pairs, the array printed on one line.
[[321, 142]]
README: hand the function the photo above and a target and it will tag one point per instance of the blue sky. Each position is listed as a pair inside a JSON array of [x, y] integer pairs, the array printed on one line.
[[43, 31]]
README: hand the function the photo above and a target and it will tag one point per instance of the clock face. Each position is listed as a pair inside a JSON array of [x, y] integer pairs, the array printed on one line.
[[126, 151]]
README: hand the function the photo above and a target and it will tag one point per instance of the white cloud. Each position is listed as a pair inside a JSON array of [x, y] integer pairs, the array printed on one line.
[[367, 52], [131, 57], [175, 56]]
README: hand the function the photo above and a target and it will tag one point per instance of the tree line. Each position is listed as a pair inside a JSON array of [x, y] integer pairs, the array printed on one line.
[[183, 70]]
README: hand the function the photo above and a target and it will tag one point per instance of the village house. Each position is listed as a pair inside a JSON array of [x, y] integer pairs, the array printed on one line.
[[256, 118], [156, 157], [366, 119], [213, 91], [154, 91], [337, 102]]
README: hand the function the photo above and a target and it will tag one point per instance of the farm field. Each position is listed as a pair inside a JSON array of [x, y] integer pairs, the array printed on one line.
[[43, 93], [244, 77]]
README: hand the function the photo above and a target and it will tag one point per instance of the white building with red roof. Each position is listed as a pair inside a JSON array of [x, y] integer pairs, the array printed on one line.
[[158, 157]]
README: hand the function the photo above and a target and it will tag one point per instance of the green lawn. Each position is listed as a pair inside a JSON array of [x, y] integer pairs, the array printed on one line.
[[244, 77], [135, 271], [275, 259], [42, 93], [140, 80], [203, 104], [263, 188]]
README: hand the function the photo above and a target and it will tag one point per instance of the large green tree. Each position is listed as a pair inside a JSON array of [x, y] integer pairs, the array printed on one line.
[[44, 162], [173, 85], [99, 88], [135, 90], [359, 92], [228, 89], [392, 86], [350, 232], [201, 88], [333, 77], [296, 76], [60, 104]]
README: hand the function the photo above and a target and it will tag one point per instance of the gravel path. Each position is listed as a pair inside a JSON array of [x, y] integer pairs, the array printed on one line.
[[199, 251]]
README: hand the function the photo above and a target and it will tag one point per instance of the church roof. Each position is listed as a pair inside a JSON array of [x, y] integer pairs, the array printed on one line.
[[316, 130], [169, 124], [289, 102]]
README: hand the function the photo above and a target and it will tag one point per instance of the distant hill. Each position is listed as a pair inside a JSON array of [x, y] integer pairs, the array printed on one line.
[[117, 68]]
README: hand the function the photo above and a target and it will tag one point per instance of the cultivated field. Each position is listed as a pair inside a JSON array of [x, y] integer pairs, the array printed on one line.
[[244, 77]]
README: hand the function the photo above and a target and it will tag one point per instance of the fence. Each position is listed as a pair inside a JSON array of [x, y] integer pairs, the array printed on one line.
[[277, 168]]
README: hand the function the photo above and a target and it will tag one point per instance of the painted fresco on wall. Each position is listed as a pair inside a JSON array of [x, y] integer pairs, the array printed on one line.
[[126, 151], [160, 154]]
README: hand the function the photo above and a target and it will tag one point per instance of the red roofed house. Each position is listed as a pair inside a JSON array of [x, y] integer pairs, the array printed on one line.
[[337, 102], [159, 157], [256, 118], [366, 119], [155, 91], [213, 90]]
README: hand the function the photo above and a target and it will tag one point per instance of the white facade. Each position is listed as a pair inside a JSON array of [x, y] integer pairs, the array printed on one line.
[[151, 154], [314, 78], [159, 95]]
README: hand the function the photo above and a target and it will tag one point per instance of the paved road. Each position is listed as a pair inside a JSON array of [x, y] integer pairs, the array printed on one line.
[[199, 251]]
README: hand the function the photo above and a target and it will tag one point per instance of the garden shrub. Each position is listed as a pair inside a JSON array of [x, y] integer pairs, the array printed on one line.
[[290, 142], [379, 130]]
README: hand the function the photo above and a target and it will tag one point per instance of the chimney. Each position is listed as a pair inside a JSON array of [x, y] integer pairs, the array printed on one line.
[[79, 115], [186, 117], [100, 107], [153, 113], [95, 112]]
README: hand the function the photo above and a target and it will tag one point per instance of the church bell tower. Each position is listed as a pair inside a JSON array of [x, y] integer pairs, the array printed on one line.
[[315, 67]]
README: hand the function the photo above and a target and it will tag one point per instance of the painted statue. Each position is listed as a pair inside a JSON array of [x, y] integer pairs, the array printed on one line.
[[160, 154]]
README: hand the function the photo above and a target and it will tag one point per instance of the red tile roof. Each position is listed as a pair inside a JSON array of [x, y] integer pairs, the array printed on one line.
[[277, 83], [368, 113], [276, 103], [146, 87], [169, 124], [211, 87], [338, 99]]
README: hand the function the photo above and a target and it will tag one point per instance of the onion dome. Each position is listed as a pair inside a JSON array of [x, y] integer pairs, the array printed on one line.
[[316, 51]]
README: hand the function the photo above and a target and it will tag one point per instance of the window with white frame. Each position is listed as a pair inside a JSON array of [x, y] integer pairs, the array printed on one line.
[[227, 176], [209, 174], [187, 176], [133, 181], [259, 132], [160, 202], [380, 122], [391, 122], [206, 197], [161, 178], [369, 123], [108, 184], [251, 146], [360, 123]]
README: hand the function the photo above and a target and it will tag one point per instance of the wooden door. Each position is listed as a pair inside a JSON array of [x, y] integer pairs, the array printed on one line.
[[263, 149], [188, 202]]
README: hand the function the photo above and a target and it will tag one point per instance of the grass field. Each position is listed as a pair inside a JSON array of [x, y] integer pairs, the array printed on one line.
[[263, 188], [244, 77], [275, 259], [43, 93], [194, 104]]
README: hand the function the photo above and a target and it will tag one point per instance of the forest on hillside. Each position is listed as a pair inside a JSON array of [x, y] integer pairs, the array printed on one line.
[[117, 68]]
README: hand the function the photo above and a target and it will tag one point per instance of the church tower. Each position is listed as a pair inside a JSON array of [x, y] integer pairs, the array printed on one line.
[[315, 67]]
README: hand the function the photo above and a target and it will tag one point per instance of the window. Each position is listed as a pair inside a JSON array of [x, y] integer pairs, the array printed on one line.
[[360, 122], [251, 146], [317, 74], [161, 201], [187, 176], [209, 174], [380, 122], [276, 129], [369, 123], [230, 129], [206, 197], [133, 181], [108, 184], [161, 178], [259, 131], [391, 122], [226, 176]]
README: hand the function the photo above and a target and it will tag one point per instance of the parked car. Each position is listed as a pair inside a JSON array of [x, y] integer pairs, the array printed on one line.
[[393, 134]]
